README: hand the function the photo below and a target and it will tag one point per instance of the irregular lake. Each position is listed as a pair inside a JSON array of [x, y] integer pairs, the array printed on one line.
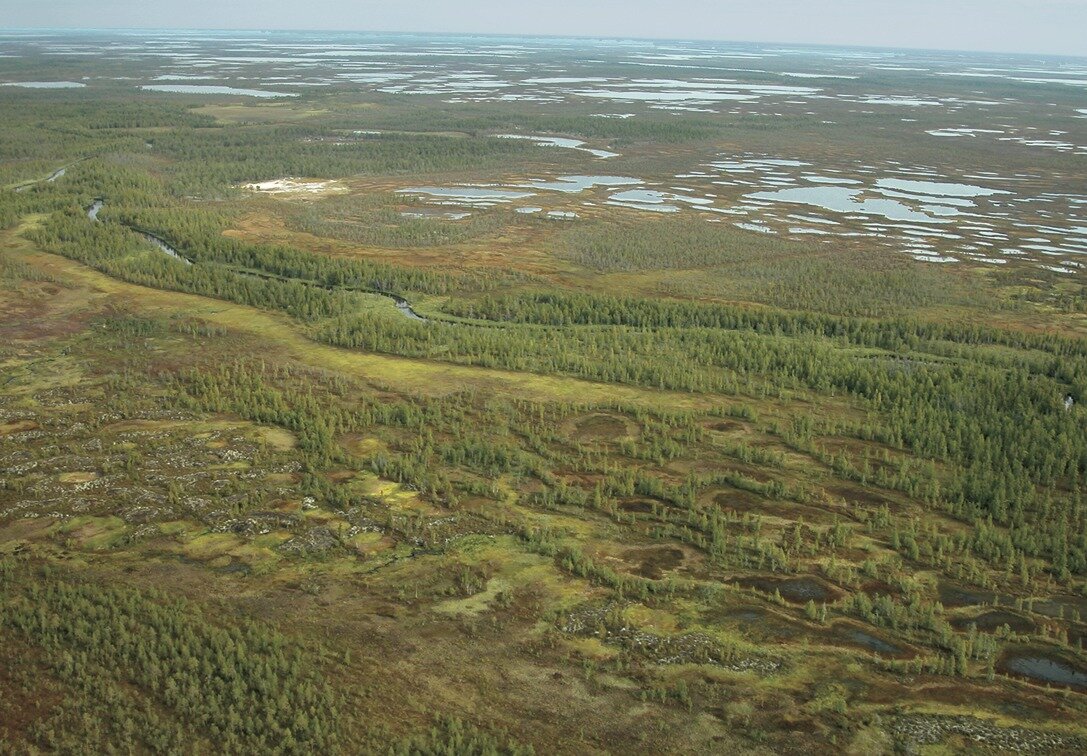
[[468, 194], [842, 200], [798, 590], [215, 90], [1040, 666], [938, 189], [44, 84], [569, 144], [576, 184]]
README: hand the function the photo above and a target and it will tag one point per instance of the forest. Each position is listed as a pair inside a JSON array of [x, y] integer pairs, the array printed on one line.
[[330, 471]]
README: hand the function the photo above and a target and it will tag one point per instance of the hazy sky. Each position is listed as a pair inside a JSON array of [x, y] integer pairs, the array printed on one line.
[[1050, 26]]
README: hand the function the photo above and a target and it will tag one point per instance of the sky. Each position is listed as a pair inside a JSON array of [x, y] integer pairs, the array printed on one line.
[[1037, 26]]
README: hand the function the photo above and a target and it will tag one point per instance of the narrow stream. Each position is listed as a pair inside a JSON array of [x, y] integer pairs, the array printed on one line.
[[94, 209], [58, 173]]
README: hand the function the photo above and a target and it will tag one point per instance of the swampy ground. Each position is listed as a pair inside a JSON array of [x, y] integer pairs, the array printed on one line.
[[658, 466]]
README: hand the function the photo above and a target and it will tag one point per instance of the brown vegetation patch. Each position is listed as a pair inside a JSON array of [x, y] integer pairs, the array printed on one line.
[[601, 427], [858, 495], [73, 478], [655, 561], [17, 426], [952, 594], [642, 505]]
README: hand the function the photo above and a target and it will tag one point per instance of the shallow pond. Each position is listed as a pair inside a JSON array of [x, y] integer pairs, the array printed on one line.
[[938, 188], [424, 214], [1043, 667], [565, 143], [577, 184], [994, 620], [840, 199], [45, 84], [468, 194], [215, 90], [798, 590], [871, 642]]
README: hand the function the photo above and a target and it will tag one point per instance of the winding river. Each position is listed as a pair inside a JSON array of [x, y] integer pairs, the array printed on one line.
[[402, 305], [59, 172]]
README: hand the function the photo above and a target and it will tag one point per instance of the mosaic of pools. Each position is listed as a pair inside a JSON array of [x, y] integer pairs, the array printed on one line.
[[932, 213]]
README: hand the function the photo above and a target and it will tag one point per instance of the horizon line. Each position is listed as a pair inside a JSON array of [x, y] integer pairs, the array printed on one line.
[[849, 46]]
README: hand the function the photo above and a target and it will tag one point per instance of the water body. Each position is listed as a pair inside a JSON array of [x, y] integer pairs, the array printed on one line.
[[58, 173], [961, 132], [797, 590], [938, 189], [402, 305], [164, 247], [577, 184], [433, 215], [569, 144], [873, 643], [650, 199], [214, 90], [1045, 668], [469, 195], [94, 209], [45, 84], [842, 200]]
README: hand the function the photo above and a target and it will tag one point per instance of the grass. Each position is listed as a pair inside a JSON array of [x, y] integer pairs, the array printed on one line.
[[405, 374], [391, 516]]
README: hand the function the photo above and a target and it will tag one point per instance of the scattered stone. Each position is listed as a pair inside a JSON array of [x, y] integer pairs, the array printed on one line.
[[915, 730]]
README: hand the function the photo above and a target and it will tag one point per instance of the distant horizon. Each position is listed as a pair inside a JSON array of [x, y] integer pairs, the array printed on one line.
[[519, 35], [1030, 27]]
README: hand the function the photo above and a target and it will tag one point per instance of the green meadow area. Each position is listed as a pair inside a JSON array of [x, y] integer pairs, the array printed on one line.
[[315, 438]]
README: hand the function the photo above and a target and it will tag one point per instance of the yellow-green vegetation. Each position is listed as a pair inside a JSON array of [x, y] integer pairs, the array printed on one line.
[[332, 479]]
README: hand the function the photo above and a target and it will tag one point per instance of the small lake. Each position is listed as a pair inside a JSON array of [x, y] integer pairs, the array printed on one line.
[[840, 199], [871, 642], [45, 84], [798, 590], [1043, 667], [424, 214], [577, 184], [468, 194], [563, 142], [214, 90]]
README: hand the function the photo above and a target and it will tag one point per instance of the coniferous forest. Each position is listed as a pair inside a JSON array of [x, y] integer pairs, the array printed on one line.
[[335, 423]]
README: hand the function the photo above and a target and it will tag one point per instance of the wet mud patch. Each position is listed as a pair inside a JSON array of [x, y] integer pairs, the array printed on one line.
[[994, 620], [953, 594], [858, 637], [641, 505], [756, 624], [728, 426], [1062, 607], [743, 502], [795, 590], [740, 501], [654, 562]]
